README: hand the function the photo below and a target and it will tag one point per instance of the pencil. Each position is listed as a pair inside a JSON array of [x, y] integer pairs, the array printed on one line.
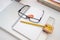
[[31, 23]]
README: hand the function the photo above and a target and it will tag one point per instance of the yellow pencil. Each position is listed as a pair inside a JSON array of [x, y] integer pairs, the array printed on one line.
[[47, 28], [34, 24]]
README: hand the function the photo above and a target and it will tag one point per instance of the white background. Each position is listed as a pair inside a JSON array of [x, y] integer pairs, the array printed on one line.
[[4, 4]]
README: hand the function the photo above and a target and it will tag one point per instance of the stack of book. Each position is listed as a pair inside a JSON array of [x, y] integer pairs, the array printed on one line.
[[55, 4]]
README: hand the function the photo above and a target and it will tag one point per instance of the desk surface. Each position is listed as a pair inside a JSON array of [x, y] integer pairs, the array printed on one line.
[[9, 15]]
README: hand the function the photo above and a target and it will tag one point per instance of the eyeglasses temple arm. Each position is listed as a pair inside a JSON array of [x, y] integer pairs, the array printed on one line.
[[23, 7], [41, 16]]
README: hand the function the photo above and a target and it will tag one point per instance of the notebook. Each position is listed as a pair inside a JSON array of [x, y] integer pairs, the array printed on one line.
[[29, 31]]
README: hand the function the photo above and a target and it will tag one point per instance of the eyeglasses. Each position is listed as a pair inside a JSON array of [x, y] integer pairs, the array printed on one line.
[[24, 16]]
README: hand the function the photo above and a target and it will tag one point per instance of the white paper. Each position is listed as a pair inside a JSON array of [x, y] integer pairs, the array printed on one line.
[[29, 31], [32, 32], [36, 12]]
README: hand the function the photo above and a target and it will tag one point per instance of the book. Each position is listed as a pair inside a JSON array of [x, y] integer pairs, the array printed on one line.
[[58, 1], [55, 4]]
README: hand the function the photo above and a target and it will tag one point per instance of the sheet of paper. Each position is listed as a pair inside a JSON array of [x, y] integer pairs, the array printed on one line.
[[36, 12], [29, 31]]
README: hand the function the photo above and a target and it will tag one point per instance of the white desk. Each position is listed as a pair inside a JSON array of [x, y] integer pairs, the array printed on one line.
[[9, 16]]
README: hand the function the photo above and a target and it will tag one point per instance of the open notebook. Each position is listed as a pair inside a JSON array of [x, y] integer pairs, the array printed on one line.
[[29, 31]]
